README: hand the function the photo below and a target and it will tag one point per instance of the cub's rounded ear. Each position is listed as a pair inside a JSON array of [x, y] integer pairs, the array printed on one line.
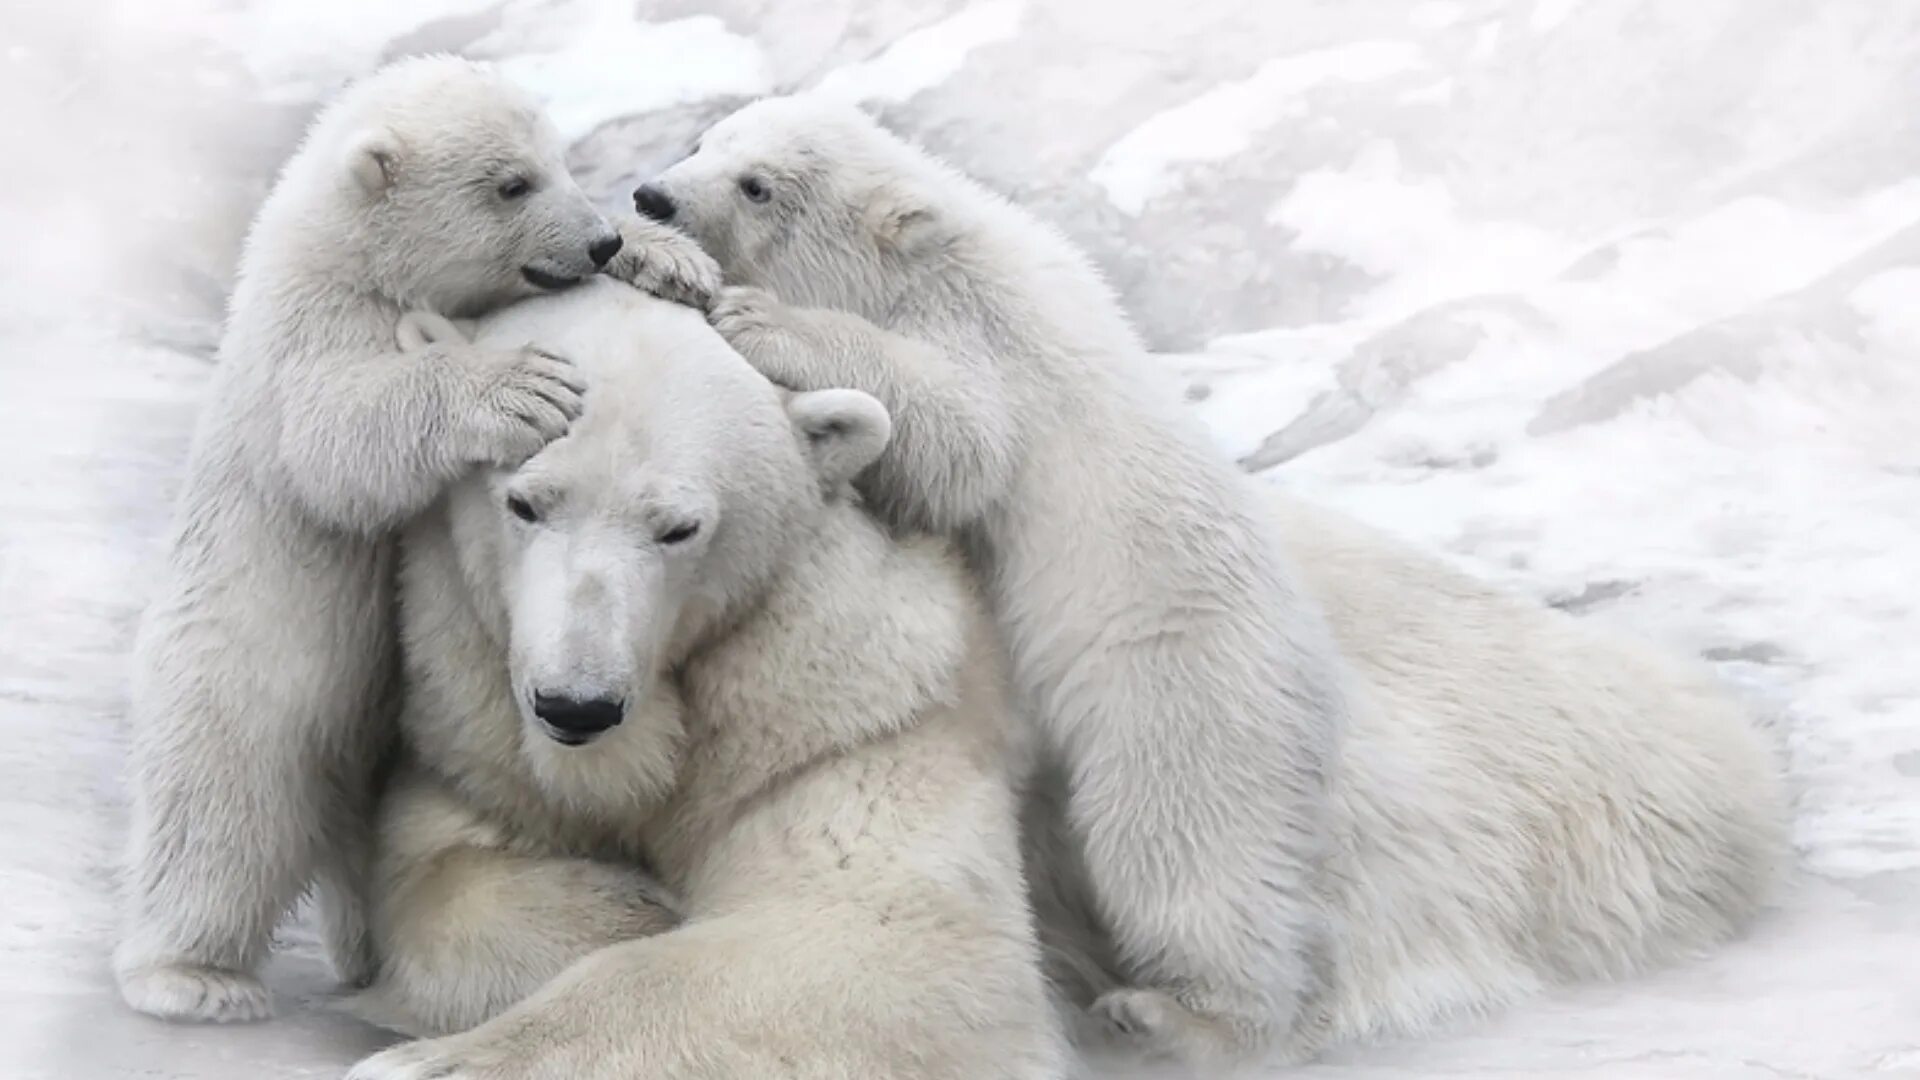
[[843, 432], [904, 224], [373, 158]]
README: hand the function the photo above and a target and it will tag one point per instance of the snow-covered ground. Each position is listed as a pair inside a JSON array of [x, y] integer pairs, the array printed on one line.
[[1616, 301]]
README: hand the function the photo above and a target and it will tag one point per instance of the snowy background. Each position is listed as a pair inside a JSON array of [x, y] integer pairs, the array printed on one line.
[[1615, 301]]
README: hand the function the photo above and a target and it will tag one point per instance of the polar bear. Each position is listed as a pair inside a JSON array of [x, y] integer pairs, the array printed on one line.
[[1193, 693], [262, 662], [1239, 880], [1521, 801], [1524, 800], [681, 607]]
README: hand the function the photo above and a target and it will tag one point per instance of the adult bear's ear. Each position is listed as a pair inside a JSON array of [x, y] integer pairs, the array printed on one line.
[[843, 432], [373, 158]]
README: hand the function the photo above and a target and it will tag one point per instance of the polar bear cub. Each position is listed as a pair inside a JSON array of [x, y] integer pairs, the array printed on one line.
[[262, 662], [1190, 689], [676, 633], [1249, 880]]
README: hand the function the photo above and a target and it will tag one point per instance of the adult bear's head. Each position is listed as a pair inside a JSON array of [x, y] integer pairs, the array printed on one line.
[[662, 516]]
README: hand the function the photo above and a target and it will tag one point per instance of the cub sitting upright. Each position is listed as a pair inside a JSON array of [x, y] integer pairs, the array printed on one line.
[[262, 663], [1193, 693]]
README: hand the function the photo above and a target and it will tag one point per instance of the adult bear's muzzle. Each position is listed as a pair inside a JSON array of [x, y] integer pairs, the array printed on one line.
[[576, 721]]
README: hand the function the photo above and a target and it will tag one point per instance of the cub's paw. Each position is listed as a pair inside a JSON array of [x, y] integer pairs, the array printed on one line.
[[526, 399], [760, 328], [195, 993], [667, 263], [742, 311], [1156, 1025], [1135, 1016]]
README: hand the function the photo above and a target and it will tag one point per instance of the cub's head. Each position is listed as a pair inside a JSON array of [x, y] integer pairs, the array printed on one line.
[[689, 483], [810, 199], [457, 194]]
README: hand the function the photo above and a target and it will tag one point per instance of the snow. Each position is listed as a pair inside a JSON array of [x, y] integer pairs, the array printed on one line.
[[1410, 234], [925, 57], [1434, 14], [1225, 120], [604, 64], [1547, 14], [301, 51], [1616, 302]]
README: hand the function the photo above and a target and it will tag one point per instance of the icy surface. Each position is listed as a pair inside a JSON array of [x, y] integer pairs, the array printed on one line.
[[1614, 301]]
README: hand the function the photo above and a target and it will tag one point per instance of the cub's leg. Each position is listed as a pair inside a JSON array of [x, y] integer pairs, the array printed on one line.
[[217, 861]]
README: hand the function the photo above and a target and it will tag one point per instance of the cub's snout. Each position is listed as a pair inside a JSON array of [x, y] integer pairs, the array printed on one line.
[[577, 721], [653, 202]]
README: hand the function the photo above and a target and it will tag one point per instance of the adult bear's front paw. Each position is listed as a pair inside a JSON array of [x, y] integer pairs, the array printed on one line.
[[451, 1058], [504, 1048], [426, 1059]]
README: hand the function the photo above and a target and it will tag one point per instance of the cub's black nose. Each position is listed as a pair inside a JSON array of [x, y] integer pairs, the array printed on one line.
[[575, 720], [604, 248], [653, 202]]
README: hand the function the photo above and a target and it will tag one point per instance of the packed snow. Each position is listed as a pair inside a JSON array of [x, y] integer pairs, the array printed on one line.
[[1616, 302]]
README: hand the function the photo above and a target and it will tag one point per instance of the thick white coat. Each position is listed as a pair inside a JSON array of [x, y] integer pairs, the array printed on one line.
[[263, 662], [814, 754], [1192, 694], [1306, 784], [260, 698], [1521, 801]]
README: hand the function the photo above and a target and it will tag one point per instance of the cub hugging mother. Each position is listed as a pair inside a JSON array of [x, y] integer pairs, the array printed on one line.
[[824, 686]]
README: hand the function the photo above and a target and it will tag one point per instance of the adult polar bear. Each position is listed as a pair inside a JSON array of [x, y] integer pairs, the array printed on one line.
[[262, 662], [1519, 800], [801, 719]]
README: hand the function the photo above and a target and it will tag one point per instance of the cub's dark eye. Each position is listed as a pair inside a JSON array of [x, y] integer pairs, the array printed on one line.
[[680, 534], [755, 189], [522, 509], [517, 188]]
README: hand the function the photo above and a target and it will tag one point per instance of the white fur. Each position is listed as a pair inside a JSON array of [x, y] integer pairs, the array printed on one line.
[[1193, 694], [263, 662], [840, 831], [1521, 801], [1308, 786]]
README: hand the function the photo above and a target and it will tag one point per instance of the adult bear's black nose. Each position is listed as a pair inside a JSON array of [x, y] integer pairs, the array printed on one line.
[[604, 248], [576, 720], [653, 202]]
